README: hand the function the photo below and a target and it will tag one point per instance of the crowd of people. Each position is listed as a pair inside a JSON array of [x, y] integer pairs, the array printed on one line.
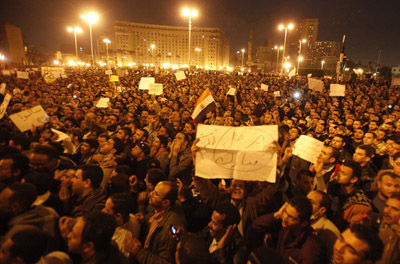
[[121, 186]]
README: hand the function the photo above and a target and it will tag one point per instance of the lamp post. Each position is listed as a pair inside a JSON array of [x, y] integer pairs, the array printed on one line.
[[91, 18], [277, 56], [107, 41], [152, 53], [322, 64], [189, 13], [75, 30], [282, 27], [243, 50], [300, 58], [198, 50]]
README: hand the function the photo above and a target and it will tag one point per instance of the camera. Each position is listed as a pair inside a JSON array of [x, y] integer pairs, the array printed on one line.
[[174, 231]]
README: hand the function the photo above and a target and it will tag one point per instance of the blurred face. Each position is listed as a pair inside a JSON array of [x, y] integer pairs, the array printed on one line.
[[396, 166], [391, 212], [293, 133], [290, 218], [216, 227], [138, 135], [102, 141], [349, 249], [78, 184], [156, 143], [360, 156], [345, 175], [315, 199], [356, 124], [369, 139], [305, 184], [85, 148], [237, 189], [108, 207], [108, 147], [136, 152], [111, 120], [157, 196], [219, 121], [380, 135], [74, 238], [337, 142], [40, 162], [5, 255], [5, 169], [388, 186], [326, 154], [121, 134], [187, 129]]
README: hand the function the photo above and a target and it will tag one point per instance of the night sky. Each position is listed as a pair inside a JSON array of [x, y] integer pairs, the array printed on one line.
[[369, 25]]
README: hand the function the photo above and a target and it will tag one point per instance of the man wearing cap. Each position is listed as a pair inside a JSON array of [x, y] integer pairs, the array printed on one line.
[[141, 162]]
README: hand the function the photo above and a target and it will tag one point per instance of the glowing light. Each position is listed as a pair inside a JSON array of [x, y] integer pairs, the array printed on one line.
[[56, 62], [287, 65], [71, 63], [242, 69], [107, 41], [174, 67], [301, 58], [91, 17], [166, 65], [229, 69], [187, 12], [221, 67], [296, 94], [119, 64]]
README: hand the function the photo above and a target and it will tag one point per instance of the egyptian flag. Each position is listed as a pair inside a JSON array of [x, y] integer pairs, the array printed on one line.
[[204, 104]]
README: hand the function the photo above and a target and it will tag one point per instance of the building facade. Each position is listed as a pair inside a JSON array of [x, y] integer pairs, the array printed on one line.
[[12, 44], [141, 44]]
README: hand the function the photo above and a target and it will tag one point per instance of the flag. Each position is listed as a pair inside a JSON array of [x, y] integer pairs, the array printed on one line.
[[292, 72], [204, 104]]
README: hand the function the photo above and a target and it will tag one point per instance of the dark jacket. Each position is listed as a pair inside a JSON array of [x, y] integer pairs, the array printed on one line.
[[303, 249]]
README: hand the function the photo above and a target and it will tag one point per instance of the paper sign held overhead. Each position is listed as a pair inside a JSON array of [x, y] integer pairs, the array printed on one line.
[[180, 75], [145, 83], [22, 75], [155, 88], [6, 73], [103, 102], [277, 93], [3, 88], [264, 87], [60, 135], [244, 153], [26, 119], [232, 91], [114, 78], [108, 72], [315, 84], [308, 148], [337, 90], [292, 72], [4, 105]]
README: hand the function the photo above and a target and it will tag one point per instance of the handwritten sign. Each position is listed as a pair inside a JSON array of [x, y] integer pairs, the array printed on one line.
[[155, 88], [180, 75], [51, 70], [22, 75], [145, 83], [264, 87], [4, 105], [6, 72], [103, 102], [308, 148], [277, 93], [114, 78], [244, 153], [3, 88], [26, 119], [337, 89], [315, 84], [232, 91]]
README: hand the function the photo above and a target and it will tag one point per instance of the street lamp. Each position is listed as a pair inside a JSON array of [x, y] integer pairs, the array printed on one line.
[[277, 56], [322, 64], [152, 53], [75, 30], [282, 27], [189, 13], [243, 50], [107, 41], [91, 18], [300, 58]]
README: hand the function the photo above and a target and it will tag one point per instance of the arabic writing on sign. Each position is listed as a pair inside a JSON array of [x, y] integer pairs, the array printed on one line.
[[236, 152], [34, 116]]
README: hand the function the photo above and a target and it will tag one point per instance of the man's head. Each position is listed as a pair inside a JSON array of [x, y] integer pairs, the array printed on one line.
[[349, 173], [391, 212], [237, 189], [294, 133], [189, 128], [140, 150], [321, 202], [304, 181], [119, 206], [87, 178], [363, 154], [329, 155], [369, 138], [160, 142], [388, 184], [297, 213], [224, 215], [113, 146], [192, 249], [25, 246], [44, 158], [16, 198], [91, 233], [395, 162], [13, 167], [338, 142], [358, 245], [89, 146], [153, 177], [164, 195]]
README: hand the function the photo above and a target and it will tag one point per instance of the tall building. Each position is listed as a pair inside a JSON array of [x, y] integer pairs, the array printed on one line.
[[158, 44], [327, 51], [12, 44]]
